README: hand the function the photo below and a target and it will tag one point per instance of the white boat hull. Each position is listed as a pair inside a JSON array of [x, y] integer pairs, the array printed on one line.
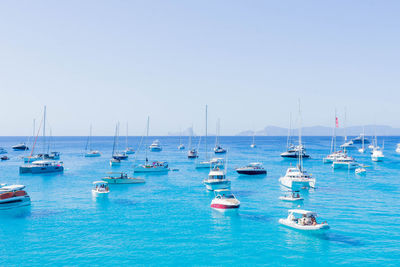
[[15, 202], [100, 193], [292, 224], [297, 184], [291, 199], [211, 185]]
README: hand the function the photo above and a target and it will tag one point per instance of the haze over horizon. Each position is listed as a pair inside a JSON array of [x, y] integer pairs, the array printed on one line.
[[99, 62]]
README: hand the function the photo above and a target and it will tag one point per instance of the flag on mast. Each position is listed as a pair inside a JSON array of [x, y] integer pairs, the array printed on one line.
[[337, 122]]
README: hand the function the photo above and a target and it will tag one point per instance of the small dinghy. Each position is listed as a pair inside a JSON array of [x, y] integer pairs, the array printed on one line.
[[294, 196], [360, 171], [307, 221]]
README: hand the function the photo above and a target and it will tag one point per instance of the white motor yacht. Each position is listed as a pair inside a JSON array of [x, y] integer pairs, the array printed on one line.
[[225, 201], [296, 178], [333, 156], [13, 196], [306, 222], [100, 189], [295, 152], [21, 146], [114, 162], [217, 180], [192, 154], [216, 162], [155, 146], [42, 166]]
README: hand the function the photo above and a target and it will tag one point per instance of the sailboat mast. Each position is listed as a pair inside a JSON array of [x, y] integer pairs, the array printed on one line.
[[44, 129], [300, 145], [147, 135], [206, 134], [126, 140], [289, 131], [115, 139]]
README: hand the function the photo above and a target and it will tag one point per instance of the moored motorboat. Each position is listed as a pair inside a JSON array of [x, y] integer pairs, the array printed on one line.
[[377, 154], [42, 166], [155, 166], [192, 154], [4, 158], [13, 196], [155, 146], [292, 197], [115, 162], [360, 171], [296, 178], [306, 222], [92, 154], [100, 189], [216, 180], [225, 201], [214, 162], [295, 152], [129, 151], [345, 162], [123, 178], [254, 168], [333, 156]]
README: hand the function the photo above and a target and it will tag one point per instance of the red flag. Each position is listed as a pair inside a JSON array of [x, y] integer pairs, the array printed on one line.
[[337, 122]]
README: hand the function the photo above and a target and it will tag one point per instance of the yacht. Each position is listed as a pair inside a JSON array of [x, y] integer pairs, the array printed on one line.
[[225, 201], [42, 166], [100, 189], [4, 158], [345, 162], [360, 139], [254, 168], [91, 153], [21, 146], [333, 156], [360, 171], [253, 144], [192, 153], [3, 151], [114, 162], [13, 196], [216, 162], [116, 155], [377, 154], [296, 177], [181, 146], [218, 149], [155, 146], [307, 221], [128, 150], [295, 152], [217, 180], [123, 178]]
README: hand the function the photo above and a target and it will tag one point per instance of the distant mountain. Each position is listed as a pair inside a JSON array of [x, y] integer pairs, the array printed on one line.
[[325, 131]]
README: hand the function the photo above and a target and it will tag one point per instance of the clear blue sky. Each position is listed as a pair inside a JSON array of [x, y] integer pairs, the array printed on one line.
[[102, 61]]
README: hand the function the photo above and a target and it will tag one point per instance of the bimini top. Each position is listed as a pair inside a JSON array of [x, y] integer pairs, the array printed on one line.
[[100, 182], [303, 212], [14, 187]]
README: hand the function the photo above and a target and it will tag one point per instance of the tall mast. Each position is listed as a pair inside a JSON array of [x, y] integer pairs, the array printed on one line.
[[126, 140], [190, 138], [206, 134], [147, 135], [289, 132], [44, 129], [217, 133], [90, 138], [300, 145], [345, 124], [115, 139]]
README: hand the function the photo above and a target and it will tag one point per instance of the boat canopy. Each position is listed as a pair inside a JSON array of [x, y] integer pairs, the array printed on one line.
[[99, 182], [303, 212]]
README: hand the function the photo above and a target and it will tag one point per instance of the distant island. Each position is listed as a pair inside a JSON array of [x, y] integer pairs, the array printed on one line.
[[370, 130]]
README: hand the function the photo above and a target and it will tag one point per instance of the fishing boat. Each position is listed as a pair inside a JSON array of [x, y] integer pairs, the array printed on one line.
[[42, 166], [224, 200], [3, 151], [254, 168], [155, 146], [345, 162], [306, 221], [292, 197], [90, 153], [154, 166], [13, 196], [123, 178], [217, 180], [21, 146], [218, 149], [296, 177], [100, 189]]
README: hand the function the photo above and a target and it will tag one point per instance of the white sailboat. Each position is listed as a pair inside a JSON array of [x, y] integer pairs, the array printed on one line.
[[116, 154], [90, 153], [253, 144], [362, 149], [192, 152], [346, 144], [218, 149], [334, 153], [128, 150], [181, 146], [216, 162], [155, 166], [296, 177]]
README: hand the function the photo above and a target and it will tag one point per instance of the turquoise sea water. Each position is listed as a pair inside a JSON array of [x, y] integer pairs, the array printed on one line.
[[168, 220]]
